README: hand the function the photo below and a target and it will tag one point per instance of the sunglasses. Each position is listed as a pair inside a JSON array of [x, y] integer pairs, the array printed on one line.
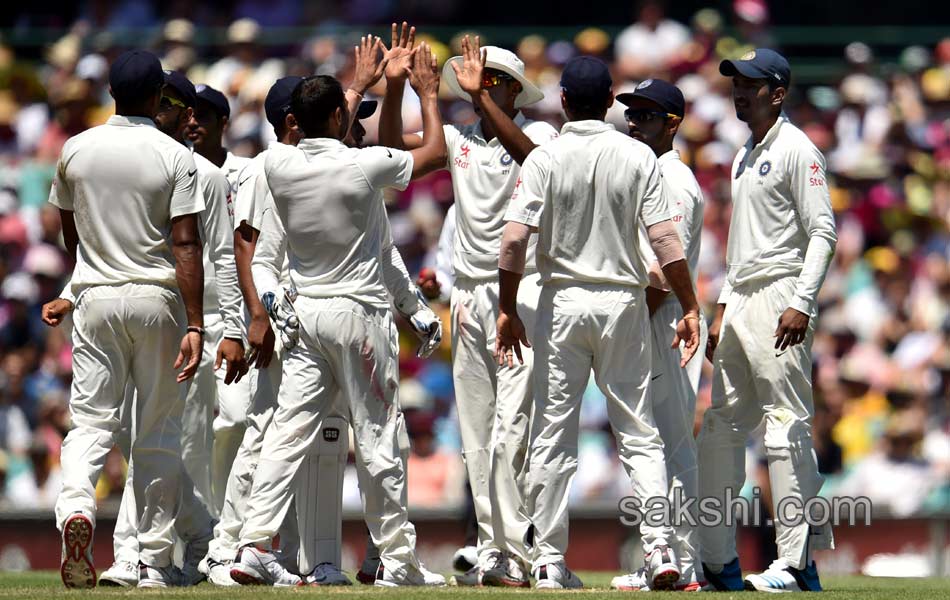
[[166, 103], [644, 115], [495, 78]]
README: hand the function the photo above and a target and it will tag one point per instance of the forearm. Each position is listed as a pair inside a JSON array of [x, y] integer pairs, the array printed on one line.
[[508, 284], [818, 257], [390, 116], [509, 134], [245, 244], [189, 272], [432, 154], [353, 98], [677, 274], [70, 235], [399, 283]]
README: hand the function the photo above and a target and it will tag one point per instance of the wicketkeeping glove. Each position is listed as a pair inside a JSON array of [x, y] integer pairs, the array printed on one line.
[[426, 326], [283, 316]]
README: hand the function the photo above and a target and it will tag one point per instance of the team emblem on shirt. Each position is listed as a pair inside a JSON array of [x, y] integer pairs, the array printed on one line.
[[505, 159], [765, 167]]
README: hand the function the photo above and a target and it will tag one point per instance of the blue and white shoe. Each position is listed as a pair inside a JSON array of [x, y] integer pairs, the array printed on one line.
[[780, 577], [727, 580]]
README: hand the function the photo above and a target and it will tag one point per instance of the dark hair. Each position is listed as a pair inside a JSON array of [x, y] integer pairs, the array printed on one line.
[[587, 108], [313, 101]]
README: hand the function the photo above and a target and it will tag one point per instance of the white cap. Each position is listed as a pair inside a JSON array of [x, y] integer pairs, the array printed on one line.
[[500, 60]]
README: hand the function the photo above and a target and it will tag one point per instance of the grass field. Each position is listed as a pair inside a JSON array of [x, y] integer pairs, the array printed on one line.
[[46, 585]]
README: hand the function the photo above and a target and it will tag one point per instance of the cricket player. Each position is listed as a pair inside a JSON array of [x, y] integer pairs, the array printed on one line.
[[130, 204], [493, 406], [781, 240], [206, 132], [344, 265], [223, 329], [656, 110], [586, 194]]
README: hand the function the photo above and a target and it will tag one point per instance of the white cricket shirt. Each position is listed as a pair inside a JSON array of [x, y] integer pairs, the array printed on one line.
[[483, 178], [782, 223], [330, 201], [125, 181], [587, 193]]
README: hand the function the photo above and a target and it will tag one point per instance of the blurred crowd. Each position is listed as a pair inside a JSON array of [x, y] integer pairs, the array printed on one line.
[[882, 347]]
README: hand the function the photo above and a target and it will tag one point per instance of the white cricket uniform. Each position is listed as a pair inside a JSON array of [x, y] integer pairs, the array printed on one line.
[[125, 181], [672, 388], [329, 198], [587, 193], [483, 177], [781, 241]]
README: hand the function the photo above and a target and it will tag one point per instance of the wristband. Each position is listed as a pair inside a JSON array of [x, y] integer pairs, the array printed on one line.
[[195, 329]]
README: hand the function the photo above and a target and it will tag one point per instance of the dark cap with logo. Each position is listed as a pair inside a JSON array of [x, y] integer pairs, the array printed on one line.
[[135, 75], [663, 93], [182, 85], [586, 81], [366, 109], [760, 63], [214, 98], [277, 102]]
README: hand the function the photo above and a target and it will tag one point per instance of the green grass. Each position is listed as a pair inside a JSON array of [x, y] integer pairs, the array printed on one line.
[[45, 585]]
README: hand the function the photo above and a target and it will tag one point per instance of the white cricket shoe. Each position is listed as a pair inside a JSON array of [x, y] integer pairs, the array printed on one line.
[[421, 577], [631, 582], [160, 577], [195, 552], [260, 567], [511, 573], [326, 574], [465, 558], [218, 572], [556, 576], [122, 573], [662, 570], [76, 568], [780, 577]]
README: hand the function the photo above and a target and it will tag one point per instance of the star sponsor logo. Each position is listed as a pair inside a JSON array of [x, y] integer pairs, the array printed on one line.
[[462, 162], [465, 150], [815, 180]]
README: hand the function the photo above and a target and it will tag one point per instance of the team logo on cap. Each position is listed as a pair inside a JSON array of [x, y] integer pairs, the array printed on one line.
[[200, 87], [505, 159], [748, 55], [765, 167], [645, 84]]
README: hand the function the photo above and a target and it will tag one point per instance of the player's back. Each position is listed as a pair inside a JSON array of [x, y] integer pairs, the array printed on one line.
[[120, 179], [329, 198], [597, 181]]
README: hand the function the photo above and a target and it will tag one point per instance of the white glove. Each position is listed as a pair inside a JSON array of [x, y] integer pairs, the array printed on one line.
[[426, 326], [283, 316]]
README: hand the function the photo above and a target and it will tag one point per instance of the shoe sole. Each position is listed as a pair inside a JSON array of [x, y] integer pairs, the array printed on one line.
[[245, 578], [106, 581], [665, 579], [750, 587], [152, 584], [365, 578], [77, 570], [502, 581]]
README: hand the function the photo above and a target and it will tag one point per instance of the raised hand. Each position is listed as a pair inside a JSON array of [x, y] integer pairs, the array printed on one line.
[[424, 75], [399, 55], [469, 73], [369, 67]]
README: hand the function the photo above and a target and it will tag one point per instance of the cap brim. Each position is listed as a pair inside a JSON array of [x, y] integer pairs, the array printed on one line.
[[731, 68], [529, 92], [366, 109]]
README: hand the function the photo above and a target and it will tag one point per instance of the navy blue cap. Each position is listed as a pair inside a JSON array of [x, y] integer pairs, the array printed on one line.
[[216, 99], [760, 63], [586, 81], [182, 85], [663, 93], [135, 76], [277, 102], [366, 109]]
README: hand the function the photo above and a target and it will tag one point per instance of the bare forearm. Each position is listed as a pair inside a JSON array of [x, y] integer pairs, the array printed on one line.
[[189, 272], [70, 235], [677, 274], [508, 284], [518, 145], [432, 155], [390, 116]]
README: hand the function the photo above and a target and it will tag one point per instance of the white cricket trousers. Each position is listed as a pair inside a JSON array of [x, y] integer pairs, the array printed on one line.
[[346, 348], [494, 411], [673, 395], [127, 332], [754, 381], [209, 443], [193, 521], [582, 327]]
